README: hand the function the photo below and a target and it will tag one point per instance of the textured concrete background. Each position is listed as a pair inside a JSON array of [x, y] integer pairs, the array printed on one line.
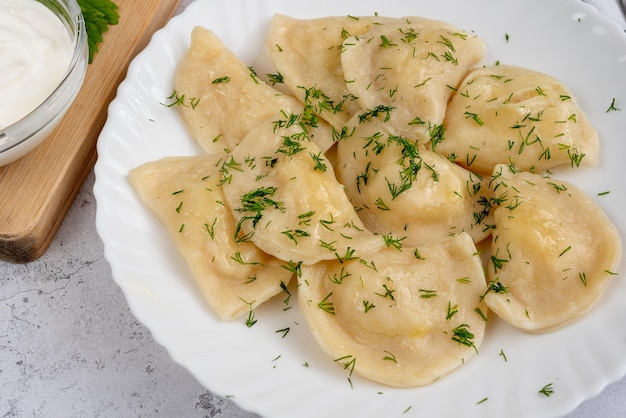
[[70, 347]]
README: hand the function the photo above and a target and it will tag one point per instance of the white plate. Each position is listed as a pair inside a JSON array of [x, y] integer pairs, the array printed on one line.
[[268, 374]]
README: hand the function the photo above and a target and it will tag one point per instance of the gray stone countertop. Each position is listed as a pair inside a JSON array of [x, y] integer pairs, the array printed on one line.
[[70, 347]]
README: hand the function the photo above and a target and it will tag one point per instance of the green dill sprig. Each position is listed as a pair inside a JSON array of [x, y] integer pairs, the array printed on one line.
[[547, 390], [463, 336], [612, 107], [326, 305], [176, 99]]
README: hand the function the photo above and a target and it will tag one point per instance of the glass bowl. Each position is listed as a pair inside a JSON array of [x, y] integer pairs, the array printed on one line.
[[22, 136]]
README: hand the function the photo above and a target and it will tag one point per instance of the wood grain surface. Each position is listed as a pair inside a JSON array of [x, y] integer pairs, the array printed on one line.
[[37, 190]]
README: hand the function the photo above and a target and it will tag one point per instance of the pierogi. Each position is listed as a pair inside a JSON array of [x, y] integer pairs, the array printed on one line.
[[408, 69], [186, 196], [507, 114], [286, 200], [307, 52], [220, 99], [373, 182], [553, 251], [400, 317], [409, 191]]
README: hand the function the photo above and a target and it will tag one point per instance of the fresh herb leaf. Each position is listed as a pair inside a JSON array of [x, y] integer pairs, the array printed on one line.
[[463, 336], [547, 390], [98, 15], [612, 107]]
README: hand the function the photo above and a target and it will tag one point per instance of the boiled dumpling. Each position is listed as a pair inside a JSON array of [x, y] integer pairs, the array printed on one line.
[[222, 99], [505, 114], [407, 70], [399, 317], [409, 191], [286, 199], [553, 251], [184, 193], [307, 52]]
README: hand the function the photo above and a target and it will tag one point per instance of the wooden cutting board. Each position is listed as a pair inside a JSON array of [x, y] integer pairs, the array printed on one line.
[[37, 191]]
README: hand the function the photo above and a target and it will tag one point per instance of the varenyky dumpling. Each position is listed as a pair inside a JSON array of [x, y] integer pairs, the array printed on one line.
[[553, 251], [399, 317], [223, 99], [408, 69], [307, 52], [218, 86], [390, 280], [286, 199], [406, 190], [506, 114], [185, 194]]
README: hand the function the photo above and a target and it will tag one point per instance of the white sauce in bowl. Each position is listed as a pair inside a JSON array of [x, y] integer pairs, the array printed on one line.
[[35, 52]]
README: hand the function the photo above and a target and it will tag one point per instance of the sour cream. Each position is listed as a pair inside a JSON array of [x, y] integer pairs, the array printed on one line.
[[35, 52]]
